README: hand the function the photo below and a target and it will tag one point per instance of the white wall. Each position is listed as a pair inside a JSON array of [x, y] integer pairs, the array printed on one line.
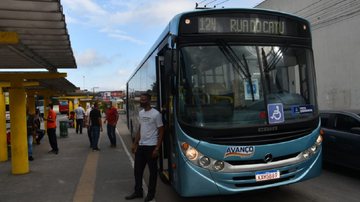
[[336, 44]]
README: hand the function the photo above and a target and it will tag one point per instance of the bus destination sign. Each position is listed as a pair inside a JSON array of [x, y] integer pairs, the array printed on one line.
[[241, 25]]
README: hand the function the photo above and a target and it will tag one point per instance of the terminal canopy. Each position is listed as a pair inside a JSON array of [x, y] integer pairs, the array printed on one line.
[[33, 34], [51, 82]]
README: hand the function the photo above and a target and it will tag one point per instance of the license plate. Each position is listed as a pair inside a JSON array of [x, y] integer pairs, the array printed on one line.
[[267, 175]]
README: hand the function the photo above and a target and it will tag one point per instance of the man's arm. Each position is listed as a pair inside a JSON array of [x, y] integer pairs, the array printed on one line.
[[159, 142], [105, 118], [100, 122], [160, 138], [117, 116]]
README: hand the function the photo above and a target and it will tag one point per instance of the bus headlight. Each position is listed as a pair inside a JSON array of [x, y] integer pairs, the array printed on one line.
[[204, 161], [198, 159], [306, 154], [219, 165], [313, 149], [192, 154], [319, 139]]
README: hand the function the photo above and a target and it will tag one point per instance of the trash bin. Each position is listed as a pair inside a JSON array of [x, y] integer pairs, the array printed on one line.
[[63, 128]]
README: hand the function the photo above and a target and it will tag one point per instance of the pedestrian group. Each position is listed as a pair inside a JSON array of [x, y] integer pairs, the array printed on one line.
[[146, 145]]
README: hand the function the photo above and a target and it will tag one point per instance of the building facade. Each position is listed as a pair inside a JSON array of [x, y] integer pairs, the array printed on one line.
[[336, 44]]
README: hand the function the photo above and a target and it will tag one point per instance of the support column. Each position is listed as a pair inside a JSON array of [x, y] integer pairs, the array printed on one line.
[[71, 106], [76, 105], [19, 147], [3, 142]]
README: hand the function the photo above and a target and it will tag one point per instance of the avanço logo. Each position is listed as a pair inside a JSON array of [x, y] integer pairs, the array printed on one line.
[[240, 151]]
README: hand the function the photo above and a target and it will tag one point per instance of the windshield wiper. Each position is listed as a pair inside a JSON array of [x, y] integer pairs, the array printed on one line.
[[276, 58], [231, 56]]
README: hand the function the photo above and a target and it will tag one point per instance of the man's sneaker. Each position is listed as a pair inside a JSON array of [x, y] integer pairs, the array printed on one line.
[[148, 198], [31, 158], [134, 195]]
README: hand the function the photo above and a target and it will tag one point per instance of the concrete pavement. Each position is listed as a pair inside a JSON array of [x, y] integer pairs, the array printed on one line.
[[75, 174]]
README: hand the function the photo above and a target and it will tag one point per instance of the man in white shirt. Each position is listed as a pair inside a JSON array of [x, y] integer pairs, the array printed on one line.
[[146, 147], [80, 113]]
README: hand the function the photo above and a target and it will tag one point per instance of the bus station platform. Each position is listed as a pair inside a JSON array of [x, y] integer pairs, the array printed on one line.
[[77, 173]]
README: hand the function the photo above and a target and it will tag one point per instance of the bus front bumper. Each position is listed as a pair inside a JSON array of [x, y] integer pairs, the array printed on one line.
[[197, 181]]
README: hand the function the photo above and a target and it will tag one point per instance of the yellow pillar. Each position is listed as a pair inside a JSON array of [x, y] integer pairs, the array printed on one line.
[[3, 142], [76, 105], [71, 106], [19, 148]]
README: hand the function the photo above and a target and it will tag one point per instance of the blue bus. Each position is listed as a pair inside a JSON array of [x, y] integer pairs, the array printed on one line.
[[237, 91]]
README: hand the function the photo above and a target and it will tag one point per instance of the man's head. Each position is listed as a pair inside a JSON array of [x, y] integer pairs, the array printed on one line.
[[50, 106], [145, 100]]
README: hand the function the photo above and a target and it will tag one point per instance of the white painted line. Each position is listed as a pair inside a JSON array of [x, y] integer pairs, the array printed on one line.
[[126, 150], [131, 160]]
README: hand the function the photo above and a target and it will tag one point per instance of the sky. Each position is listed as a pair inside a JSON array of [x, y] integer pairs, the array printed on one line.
[[109, 38]]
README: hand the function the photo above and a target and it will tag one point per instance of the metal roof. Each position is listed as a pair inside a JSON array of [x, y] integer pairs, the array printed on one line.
[[43, 38], [51, 82], [58, 86], [44, 41]]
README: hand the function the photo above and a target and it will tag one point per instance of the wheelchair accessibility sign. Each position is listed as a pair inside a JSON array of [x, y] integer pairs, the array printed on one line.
[[275, 113]]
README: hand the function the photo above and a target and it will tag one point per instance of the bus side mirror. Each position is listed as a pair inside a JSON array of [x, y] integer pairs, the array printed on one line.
[[171, 64]]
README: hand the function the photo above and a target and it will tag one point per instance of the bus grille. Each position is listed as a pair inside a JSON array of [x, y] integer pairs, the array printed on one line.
[[256, 161], [259, 139]]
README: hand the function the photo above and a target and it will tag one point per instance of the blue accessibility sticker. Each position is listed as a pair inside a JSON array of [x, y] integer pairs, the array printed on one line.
[[275, 113]]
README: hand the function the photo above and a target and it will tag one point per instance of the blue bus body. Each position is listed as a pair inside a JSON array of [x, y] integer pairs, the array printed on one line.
[[217, 183], [226, 142]]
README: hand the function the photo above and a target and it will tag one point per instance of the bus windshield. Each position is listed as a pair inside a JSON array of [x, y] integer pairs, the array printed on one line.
[[232, 86]]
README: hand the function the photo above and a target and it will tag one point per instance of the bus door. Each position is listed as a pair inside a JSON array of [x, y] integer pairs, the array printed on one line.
[[166, 106]]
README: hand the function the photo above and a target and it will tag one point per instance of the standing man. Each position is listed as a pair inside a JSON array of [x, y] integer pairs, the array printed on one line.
[[30, 133], [87, 122], [146, 147], [51, 129], [96, 127], [80, 112], [112, 117]]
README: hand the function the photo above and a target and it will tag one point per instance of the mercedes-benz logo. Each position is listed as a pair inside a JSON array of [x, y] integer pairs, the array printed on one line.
[[268, 158]]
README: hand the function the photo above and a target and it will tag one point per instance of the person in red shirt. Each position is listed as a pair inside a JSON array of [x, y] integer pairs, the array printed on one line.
[[51, 129], [112, 117]]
